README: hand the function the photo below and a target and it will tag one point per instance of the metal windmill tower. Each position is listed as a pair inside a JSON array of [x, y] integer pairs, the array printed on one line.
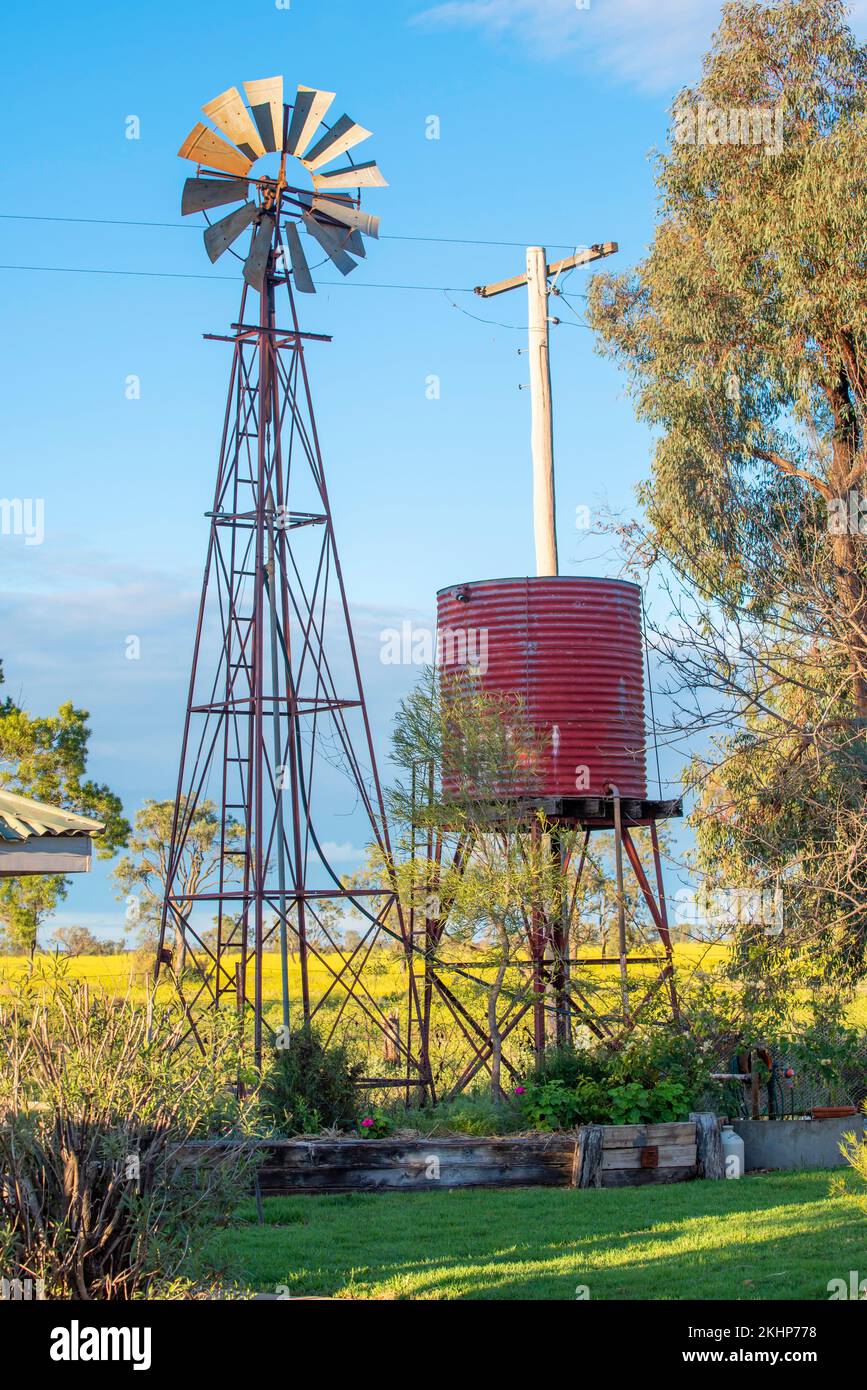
[[275, 711]]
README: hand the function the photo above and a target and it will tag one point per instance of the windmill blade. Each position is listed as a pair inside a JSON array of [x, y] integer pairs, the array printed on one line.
[[300, 268], [348, 215], [331, 241], [355, 244], [342, 136], [203, 146], [358, 176], [229, 113], [199, 194], [265, 96], [310, 107], [256, 263], [219, 237]]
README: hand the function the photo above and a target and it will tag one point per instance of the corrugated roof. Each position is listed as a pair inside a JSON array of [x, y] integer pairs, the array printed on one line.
[[21, 818]]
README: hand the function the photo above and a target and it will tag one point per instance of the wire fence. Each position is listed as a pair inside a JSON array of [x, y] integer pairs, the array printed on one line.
[[796, 1087]]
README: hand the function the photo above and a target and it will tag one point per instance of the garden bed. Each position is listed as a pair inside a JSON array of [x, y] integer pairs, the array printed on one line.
[[618, 1156]]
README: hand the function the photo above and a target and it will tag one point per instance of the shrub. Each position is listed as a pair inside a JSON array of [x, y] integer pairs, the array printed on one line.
[[649, 1081], [629, 1103], [98, 1197], [571, 1065], [309, 1087], [554, 1105]]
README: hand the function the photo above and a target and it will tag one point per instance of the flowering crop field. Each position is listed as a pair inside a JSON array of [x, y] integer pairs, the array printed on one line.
[[386, 983]]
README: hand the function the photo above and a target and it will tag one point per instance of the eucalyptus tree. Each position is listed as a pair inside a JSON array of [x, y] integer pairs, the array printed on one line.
[[744, 336]]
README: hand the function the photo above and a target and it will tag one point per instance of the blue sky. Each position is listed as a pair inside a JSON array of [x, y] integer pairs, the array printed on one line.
[[547, 116]]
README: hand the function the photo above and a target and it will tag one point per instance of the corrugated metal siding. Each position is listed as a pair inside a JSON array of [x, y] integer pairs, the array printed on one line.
[[571, 648], [21, 817]]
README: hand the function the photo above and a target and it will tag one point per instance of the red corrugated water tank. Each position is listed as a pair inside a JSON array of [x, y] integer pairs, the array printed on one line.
[[571, 649]]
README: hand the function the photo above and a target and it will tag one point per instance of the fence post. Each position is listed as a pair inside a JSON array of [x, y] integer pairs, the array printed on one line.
[[708, 1145], [587, 1160]]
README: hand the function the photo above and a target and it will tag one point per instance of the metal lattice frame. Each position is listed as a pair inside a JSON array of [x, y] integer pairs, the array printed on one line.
[[275, 688], [542, 990]]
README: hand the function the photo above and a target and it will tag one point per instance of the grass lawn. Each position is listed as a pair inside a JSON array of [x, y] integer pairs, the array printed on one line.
[[776, 1236]]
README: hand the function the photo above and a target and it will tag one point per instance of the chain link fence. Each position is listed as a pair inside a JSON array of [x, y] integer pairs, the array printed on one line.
[[795, 1086]]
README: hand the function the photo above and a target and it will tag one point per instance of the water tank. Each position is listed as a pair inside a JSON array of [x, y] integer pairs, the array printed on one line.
[[571, 649]]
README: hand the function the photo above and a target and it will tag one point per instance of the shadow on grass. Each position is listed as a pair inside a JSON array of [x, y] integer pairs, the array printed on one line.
[[767, 1237]]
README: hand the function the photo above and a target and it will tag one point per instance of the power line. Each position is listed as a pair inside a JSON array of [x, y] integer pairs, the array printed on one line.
[[495, 323], [189, 275], [194, 226]]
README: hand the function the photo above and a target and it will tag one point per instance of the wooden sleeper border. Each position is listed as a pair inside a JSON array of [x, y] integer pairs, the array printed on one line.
[[593, 1156]]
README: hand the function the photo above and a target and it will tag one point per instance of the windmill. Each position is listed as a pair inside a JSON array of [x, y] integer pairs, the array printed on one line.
[[276, 725], [333, 218]]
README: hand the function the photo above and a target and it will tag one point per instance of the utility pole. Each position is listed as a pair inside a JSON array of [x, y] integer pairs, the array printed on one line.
[[536, 279]]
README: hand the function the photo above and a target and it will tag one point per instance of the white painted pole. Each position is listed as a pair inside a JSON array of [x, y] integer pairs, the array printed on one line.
[[542, 430]]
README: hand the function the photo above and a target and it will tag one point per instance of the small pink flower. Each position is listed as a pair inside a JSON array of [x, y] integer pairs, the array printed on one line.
[[519, 1090], [366, 1122]]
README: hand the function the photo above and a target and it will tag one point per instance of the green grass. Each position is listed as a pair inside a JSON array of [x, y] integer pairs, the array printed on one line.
[[778, 1236]]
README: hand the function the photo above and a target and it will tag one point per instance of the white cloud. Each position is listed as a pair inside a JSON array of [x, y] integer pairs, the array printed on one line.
[[97, 922], [344, 853], [655, 45]]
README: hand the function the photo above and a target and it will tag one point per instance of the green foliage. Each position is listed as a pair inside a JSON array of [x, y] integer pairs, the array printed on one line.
[[572, 1065], [743, 334], [46, 759], [309, 1087], [651, 1081], [854, 1150], [629, 1103], [471, 1113], [554, 1105]]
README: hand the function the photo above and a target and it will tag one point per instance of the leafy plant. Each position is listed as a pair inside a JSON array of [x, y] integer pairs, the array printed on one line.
[[309, 1087], [470, 1113], [669, 1101], [630, 1103]]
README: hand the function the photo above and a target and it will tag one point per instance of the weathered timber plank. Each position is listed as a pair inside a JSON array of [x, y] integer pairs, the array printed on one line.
[[279, 1183], [363, 1155], [638, 1177], [426, 1163], [452, 1141], [418, 1166], [710, 1160], [670, 1156], [587, 1165], [640, 1136]]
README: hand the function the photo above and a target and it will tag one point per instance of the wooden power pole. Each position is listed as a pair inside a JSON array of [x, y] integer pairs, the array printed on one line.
[[536, 279]]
